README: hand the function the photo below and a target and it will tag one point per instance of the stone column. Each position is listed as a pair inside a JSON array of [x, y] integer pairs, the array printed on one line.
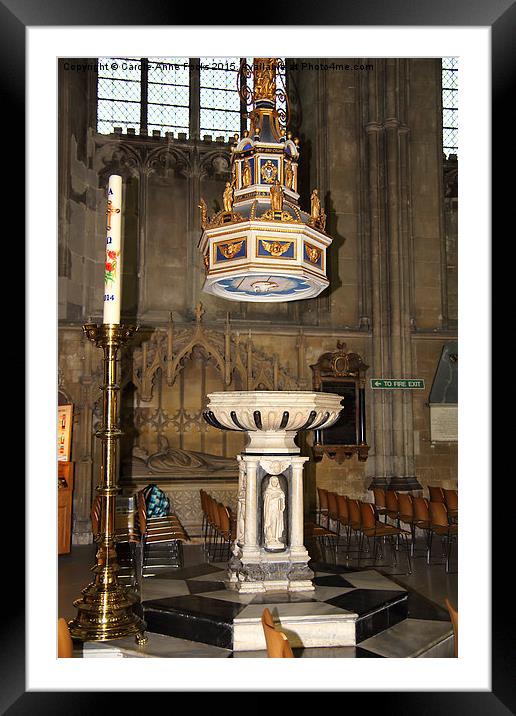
[[241, 511], [296, 506], [251, 548]]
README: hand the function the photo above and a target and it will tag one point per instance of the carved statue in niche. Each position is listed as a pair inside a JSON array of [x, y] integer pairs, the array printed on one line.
[[289, 175], [276, 197], [315, 205], [246, 174], [273, 509]]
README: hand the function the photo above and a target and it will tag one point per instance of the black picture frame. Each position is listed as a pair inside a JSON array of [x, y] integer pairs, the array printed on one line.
[[500, 16]]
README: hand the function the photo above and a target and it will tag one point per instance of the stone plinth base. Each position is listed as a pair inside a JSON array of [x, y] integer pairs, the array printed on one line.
[[269, 572], [303, 630]]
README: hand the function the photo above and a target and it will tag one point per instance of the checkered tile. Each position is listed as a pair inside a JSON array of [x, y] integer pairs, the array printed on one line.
[[193, 604]]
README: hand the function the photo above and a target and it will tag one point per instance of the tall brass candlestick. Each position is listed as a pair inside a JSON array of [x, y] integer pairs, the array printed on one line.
[[105, 610]]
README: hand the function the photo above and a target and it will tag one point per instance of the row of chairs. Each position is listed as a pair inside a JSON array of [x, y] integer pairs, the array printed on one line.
[[144, 536], [362, 519], [450, 498], [161, 539], [434, 517], [218, 528]]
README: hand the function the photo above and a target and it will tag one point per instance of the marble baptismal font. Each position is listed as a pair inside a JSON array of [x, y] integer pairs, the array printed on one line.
[[269, 553]]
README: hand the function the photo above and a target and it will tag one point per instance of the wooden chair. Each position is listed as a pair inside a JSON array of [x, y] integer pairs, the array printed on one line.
[[452, 503], [213, 533], [64, 640], [322, 536], [333, 516], [439, 525], [392, 506], [379, 502], [422, 520], [343, 519], [454, 616], [278, 646], [322, 512], [373, 528], [355, 522], [436, 493], [205, 523], [227, 530], [406, 515]]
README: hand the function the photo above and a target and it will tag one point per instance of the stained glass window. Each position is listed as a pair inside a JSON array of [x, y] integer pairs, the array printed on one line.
[[450, 94]]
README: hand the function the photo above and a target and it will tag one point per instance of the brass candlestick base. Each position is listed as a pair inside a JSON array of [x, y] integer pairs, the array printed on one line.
[[105, 610]]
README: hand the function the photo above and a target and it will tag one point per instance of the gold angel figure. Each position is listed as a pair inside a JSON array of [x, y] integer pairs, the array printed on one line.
[[289, 175], [313, 253], [230, 250], [315, 205], [276, 248], [246, 174], [228, 197], [276, 197]]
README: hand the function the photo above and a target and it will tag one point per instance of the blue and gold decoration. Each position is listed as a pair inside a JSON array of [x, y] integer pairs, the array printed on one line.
[[262, 246], [275, 249], [230, 250]]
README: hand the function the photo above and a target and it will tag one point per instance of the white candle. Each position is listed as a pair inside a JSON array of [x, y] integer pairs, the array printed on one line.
[[113, 261]]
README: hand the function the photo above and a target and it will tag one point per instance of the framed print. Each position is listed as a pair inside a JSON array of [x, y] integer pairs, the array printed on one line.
[[64, 431], [35, 37]]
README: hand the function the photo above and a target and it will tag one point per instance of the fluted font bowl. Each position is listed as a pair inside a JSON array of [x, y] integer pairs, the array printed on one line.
[[272, 418]]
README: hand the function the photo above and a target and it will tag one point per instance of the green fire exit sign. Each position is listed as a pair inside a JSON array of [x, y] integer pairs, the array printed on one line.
[[398, 383]]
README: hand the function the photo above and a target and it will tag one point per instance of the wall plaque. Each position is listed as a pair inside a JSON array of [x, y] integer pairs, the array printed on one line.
[[444, 422]]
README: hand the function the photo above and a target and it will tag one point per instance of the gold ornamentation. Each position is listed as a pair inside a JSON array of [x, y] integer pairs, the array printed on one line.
[[269, 172], [204, 214], [230, 250], [106, 608], [289, 175], [276, 248], [313, 253], [206, 261], [228, 197], [271, 215], [246, 174], [276, 197], [264, 69], [224, 217], [315, 206]]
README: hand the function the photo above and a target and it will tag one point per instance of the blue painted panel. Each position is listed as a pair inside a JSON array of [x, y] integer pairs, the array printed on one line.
[[240, 253], [289, 253]]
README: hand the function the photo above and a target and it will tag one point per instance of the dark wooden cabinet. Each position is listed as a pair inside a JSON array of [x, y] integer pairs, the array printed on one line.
[[342, 372]]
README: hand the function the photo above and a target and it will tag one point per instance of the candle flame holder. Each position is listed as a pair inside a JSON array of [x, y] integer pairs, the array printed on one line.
[[105, 610]]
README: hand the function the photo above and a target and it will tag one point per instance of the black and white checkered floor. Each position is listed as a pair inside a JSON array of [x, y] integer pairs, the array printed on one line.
[[190, 613]]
